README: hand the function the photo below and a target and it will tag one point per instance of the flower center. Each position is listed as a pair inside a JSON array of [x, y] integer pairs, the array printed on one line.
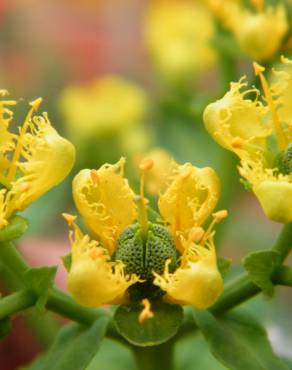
[[144, 254]]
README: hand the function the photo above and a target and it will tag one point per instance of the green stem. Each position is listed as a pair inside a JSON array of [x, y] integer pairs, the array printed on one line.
[[16, 302], [155, 358], [283, 244], [11, 258]]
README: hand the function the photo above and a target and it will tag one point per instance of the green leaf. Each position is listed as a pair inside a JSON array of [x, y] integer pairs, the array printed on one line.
[[14, 230], [40, 280], [224, 265], [5, 327], [74, 347], [67, 261], [164, 325], [238, 341], [260, 266]]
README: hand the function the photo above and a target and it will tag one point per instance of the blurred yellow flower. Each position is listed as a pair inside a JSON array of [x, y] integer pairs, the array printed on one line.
[[135, 259], [108, 104], [260, 33], [178, 35], [31, 161], [259, 131]]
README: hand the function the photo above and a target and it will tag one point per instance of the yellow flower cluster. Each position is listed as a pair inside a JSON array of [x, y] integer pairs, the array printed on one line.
[[259, 131], [109, 207], [32, 161], [178, 35], [259, 33]]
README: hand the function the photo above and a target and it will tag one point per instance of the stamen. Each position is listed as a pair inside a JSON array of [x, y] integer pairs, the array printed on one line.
[[281, 138], [145, 165], [70, 219], [146, 313], [217, 217], [237, 142], [12, 170]]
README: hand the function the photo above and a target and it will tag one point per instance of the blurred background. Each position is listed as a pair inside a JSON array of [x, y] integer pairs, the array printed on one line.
[[129, 78]]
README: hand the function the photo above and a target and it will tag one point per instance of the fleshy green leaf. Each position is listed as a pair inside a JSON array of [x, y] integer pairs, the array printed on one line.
[[238, 341], [224, 265], [74, 347], [164, 325], [14, 230], [67, 261], [260, 266], [40, 280]]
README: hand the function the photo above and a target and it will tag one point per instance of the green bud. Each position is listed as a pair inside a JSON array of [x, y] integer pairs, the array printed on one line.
[[283, 160], [145, 255]]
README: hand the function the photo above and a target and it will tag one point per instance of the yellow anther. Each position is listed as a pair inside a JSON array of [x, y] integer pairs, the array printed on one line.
[[146, 164], [24, 187], [220, 215], [94, 176], [186, 173], [146, 313], [237, 142], [281, 138], [35, 104], [97, 253], [70, 219], [196, 234]]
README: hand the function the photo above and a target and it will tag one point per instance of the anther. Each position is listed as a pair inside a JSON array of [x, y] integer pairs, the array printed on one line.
[[35, 104], [146, 313], [220, 215], [237, 142], [196, 234], [70, 219]]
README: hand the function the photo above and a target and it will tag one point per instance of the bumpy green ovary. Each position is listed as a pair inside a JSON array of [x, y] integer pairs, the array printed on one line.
[[143, 256], [284, 160]]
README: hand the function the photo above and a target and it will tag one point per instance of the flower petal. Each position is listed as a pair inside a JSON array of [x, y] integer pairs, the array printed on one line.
[[105, 201], [48, 158], [190, 198], [93, 280], [197, 282], [276, 199]]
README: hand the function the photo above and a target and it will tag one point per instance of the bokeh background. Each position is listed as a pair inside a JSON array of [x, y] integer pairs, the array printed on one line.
[[60, 49]]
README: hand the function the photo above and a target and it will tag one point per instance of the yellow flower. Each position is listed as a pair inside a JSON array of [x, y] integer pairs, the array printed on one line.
[[31, 161], [134, 259], [260, 33], [259, 131], [178, 34], [107, 105]]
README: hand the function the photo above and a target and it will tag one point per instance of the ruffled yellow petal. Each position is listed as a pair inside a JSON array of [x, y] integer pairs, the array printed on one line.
[[48, 158], [93, 280], [236, 122], [197, 281], [190, 198], [178, 34], [276, 199], [105, 201]]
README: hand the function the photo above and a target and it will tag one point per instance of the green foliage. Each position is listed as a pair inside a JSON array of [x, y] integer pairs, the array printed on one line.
[[224, 265], [40, 280], [74, 347], [238, 341], [260, 266], [67, 261], [14, 230], [163, 326]]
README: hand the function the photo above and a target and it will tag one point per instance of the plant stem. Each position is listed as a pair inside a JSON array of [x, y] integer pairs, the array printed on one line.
[[283, 244], [16, 302], [11, 258], [155, 358]]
